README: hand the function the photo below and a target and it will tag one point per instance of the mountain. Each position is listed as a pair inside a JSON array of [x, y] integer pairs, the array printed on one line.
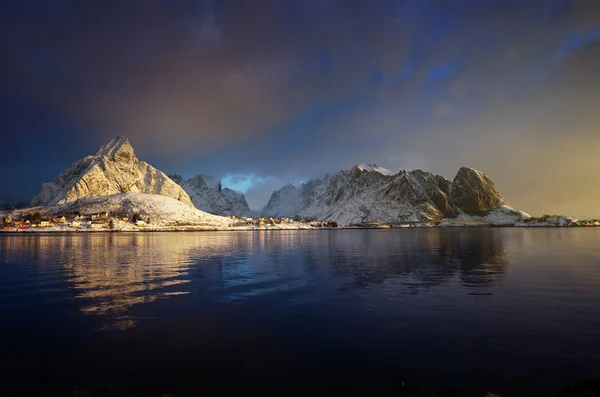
[[208, 195], [113, 169], [372, 193], [9, 203]]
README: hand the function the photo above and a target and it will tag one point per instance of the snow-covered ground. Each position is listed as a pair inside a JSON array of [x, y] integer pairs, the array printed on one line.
[[158, 213], [552, 220], [161, 210], [504, 215]]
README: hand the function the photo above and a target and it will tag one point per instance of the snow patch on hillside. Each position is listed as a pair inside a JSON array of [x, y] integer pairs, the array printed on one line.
[[503, 215], [161, 210], [374, 168]]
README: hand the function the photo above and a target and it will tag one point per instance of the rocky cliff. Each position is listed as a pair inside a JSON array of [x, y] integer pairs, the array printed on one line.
[[113, 169], [208, 195], [372, 193]]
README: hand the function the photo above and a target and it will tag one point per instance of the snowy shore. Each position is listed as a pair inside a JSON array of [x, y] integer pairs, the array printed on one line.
[[136, 212], [295, 226]]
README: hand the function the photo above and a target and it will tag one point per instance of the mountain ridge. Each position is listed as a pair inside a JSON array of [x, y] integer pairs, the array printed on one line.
[[207, 194], [364, 194], [113, 169]]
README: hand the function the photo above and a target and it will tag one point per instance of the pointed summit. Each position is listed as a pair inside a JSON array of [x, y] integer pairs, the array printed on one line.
[[373, 168], [114, 145], [113, 169], [474, 192]]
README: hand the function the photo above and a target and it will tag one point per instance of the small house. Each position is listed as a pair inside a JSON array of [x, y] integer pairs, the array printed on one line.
[[45, 223], [140, 222]]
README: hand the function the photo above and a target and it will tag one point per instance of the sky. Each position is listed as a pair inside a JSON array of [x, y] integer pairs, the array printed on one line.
[[262, 93]]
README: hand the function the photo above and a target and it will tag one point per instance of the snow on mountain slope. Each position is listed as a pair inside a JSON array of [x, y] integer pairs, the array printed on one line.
[[113, 169], [374, 168], [208, 195], [361, 195], [283, 202], [552, 221], [161, 210]]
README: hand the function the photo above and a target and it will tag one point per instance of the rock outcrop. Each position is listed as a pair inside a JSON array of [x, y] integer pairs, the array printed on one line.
[[113, 169], [475, 193], [208, 195], [371, 193]]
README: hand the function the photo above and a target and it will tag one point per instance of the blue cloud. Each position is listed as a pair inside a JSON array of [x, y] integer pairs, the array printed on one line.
[[241, 182], [575, 42], [443, 72]]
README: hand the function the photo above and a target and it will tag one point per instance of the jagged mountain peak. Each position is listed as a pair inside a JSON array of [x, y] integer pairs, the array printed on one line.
[[176, 178], [373, 168], [359, 196], [464, 171], [208, 195], [117, 149], [474, 192], [113, 169], [209, 181]]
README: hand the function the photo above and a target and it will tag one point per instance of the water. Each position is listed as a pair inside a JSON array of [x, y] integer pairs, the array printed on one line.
[[516, 311]]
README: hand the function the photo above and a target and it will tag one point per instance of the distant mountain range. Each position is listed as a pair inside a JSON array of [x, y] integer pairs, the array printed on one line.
[[365, 193], [368, 193], [208, 195], [9, 203]]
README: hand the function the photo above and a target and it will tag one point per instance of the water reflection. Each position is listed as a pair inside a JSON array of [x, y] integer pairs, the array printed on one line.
[[420, 259], [108, 274]]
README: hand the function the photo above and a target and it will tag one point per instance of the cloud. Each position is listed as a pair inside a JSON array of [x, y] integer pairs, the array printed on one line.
[[285, 90]]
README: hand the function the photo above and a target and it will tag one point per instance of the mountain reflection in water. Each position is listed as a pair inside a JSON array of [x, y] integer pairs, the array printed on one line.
[[109, 273], [303, 308]]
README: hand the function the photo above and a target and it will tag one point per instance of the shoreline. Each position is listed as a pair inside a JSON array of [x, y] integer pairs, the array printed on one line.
[[187, 229]]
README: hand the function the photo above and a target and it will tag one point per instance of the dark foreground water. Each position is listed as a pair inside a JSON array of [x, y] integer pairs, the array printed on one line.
[[515, 311]]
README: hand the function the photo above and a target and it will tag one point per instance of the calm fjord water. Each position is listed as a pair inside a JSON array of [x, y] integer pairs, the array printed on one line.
[[512, 310]]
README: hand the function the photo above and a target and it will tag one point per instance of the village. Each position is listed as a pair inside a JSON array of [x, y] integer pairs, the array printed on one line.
[[108, 221], [27, 221], [74, 221]]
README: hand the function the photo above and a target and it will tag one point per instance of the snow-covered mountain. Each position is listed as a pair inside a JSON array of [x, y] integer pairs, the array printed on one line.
[[368, 192], [5, 204], [113, 169], [208, 195], [8, 203]]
